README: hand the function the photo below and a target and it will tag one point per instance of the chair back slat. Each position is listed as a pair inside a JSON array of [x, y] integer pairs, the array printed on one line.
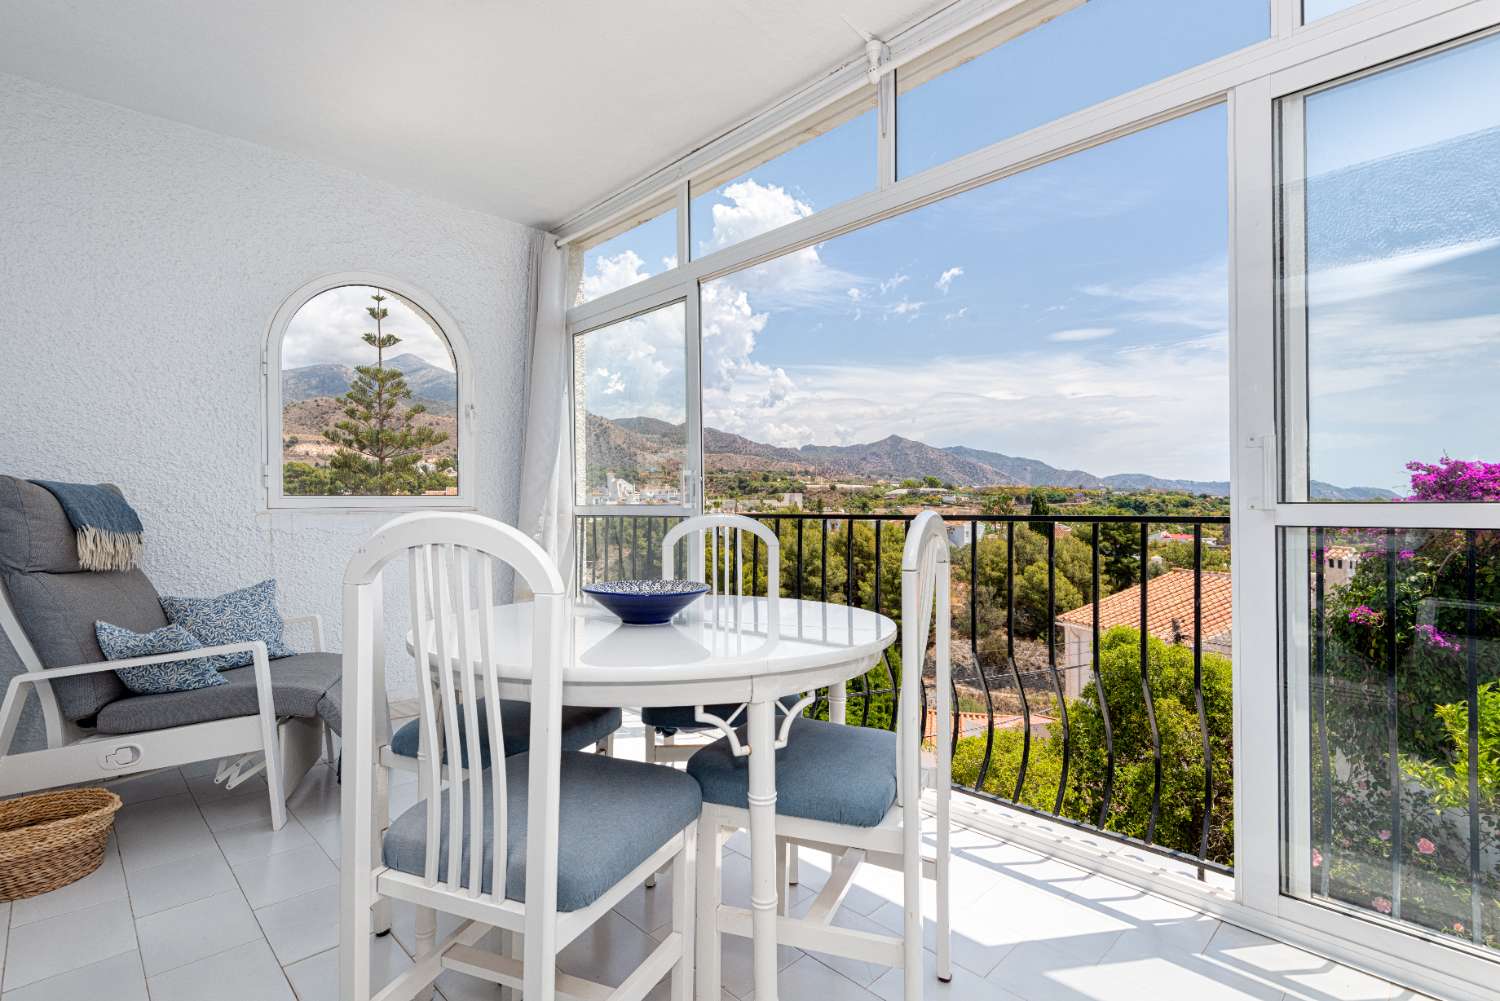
[[468, 688], [488, 653], [445, 634], [419, 561], [716, 557], [926, 615]]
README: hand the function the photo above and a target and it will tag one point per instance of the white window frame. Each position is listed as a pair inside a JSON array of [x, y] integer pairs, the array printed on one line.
[[1293, 58], [692, 459], [270, 375]]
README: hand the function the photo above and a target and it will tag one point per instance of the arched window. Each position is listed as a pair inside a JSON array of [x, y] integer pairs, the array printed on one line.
[[367, 401]]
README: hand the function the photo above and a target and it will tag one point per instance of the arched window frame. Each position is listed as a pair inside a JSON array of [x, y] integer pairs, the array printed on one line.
[[270, 372]]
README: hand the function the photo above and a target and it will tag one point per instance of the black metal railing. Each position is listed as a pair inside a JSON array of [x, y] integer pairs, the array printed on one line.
[[1026, 725]]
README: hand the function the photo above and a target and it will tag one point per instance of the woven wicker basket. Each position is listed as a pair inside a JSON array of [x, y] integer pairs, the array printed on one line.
[[52, 839]]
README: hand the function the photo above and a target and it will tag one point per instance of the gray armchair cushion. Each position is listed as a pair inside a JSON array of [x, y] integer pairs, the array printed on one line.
[[580, 727], [299, 684], [58, 602], [613, 815], [841, 774]]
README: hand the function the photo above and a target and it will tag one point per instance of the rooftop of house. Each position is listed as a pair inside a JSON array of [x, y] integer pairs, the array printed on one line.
[[1169, 607]]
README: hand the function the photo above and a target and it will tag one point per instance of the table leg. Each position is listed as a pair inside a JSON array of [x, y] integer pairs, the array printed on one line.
[[762, 805]]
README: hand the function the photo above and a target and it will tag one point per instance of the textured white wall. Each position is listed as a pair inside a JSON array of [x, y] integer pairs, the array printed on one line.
[[141, 262]]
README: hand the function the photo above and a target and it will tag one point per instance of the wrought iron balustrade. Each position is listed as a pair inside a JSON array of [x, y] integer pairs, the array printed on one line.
[[1009, 679]]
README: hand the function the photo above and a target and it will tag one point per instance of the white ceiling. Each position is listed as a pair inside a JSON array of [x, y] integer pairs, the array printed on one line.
[[528, 109]]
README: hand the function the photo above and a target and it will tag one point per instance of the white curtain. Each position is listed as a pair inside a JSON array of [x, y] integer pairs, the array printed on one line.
[[546, 510]]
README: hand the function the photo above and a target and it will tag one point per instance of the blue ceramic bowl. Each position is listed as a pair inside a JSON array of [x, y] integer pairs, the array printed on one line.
[[646, 602]]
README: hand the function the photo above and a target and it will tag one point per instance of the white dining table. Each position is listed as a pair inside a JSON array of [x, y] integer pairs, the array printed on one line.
[[719, 650]]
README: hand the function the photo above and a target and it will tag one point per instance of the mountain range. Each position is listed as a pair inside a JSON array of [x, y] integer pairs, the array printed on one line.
[[614, 443], [435, 387]]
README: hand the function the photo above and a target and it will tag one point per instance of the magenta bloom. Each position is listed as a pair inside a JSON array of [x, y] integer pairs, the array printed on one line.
[[1438, 640], [1317, 859], [1381, 904], [1425, 846], [1384, 835], [1454, 480], [1407, 554], [1364, 615]]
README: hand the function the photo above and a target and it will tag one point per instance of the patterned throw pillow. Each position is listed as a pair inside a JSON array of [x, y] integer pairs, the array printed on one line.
[[237, 617], [119, 643]]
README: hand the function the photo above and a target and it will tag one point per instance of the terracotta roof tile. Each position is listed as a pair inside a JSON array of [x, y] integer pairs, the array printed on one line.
[[1169, 607]]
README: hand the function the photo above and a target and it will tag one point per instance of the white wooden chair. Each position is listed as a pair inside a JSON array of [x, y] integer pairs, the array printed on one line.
[[541, 846], [851, 791], [716, 557]]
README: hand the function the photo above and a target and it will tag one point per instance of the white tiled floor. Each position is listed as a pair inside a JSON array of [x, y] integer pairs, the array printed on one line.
[[198, 900]]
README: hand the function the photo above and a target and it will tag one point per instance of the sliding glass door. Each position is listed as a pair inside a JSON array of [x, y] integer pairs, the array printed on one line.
[[1388, 240]]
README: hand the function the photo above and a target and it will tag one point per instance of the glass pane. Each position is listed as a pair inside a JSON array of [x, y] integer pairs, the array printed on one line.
[[1314, 9], [822, 171], [635, 255], [369, 398], [1400, 640], [630, 409], [1390, 191], [1075, 314], [1100, 50]]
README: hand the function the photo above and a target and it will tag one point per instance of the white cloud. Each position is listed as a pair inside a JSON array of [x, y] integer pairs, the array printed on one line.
[[957, 314], [1081, 334], [1106, 413], [329, 329], [612, 273], [904, 307], [946, 278], [894, 281], [1197, 298]]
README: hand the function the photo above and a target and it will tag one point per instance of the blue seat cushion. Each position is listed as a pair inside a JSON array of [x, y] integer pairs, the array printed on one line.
[[682, 717], [613, 815], [580, 728], [826, 771]]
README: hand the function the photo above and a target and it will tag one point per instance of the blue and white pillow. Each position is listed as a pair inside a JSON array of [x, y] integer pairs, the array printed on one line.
[[237, 617], [119, 643]]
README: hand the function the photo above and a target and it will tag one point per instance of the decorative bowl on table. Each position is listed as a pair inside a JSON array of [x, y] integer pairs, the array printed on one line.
[[646, 602]]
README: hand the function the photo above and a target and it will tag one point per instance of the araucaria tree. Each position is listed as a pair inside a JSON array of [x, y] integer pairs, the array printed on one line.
[[380, 444]]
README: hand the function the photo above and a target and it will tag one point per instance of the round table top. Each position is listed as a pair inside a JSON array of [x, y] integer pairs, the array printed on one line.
[[717, 650]]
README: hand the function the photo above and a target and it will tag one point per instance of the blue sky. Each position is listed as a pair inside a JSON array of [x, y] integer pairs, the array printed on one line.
[[1077, 313]]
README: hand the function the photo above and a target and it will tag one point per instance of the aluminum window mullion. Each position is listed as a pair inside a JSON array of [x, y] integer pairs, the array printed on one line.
[[887, 125]]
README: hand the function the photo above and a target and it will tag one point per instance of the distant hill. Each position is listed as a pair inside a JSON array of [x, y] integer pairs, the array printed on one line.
[[897, 458], [434, 387], [304, 421], [893, 458]]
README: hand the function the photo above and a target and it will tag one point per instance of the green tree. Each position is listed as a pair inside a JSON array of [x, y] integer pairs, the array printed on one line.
[[1132, 783], [305, 479], [380, 444], [1032, 606]]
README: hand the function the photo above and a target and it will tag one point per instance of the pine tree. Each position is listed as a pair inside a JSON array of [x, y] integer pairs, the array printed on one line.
[[380, 444]]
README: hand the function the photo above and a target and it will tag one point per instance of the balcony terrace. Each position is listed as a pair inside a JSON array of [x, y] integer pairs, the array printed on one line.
[[1173, 328]]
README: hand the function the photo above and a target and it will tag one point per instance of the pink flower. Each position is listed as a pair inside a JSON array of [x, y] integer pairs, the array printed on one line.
[[1384, 835], [1454, 480], [1317, 859], [1364, 615], [1436, 639], [1458, 926], [1425, 846], [1381, 904]]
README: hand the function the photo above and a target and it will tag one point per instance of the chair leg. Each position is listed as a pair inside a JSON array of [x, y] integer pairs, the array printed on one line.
[[793, 867], [684, 870], [426, 921], [651, 736], [783, 889], [708, 944], [511, 943], [944, 920], [328, 753], [911, 898]]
